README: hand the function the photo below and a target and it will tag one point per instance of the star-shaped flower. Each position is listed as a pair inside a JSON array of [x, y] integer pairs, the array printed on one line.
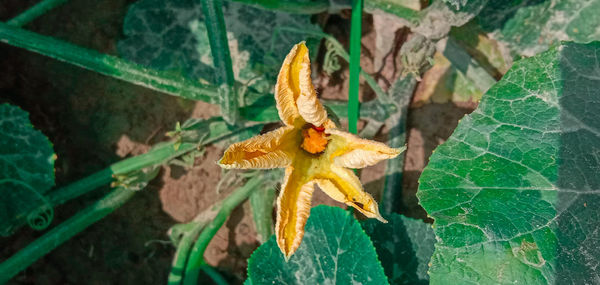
[[312, 150]]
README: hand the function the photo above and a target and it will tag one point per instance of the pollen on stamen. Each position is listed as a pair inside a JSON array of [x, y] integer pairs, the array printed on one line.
[[314, 139]]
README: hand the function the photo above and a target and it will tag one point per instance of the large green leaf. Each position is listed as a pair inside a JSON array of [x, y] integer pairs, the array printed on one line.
[[26, 169], [172, 35], [530, 26], [404, 247], [335, 250], [515, 190]]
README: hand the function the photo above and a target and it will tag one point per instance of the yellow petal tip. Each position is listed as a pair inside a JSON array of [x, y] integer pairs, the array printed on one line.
[[286, 256], [400, 150], [381, 219]]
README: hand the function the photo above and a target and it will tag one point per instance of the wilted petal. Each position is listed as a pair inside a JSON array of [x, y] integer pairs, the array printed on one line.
[[293, 208], [271, 150], [343, 186], [287, 88], [295, 93], [354, 152], [309, 106]]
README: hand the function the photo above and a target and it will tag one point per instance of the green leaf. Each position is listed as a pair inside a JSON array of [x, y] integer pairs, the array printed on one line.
[[172, 35], [401, 92], [261, 202], [515, 190], [404, 247], [530, 26], [26, 171], [335, 250]]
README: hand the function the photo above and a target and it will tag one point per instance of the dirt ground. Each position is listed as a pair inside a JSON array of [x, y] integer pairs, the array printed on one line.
[[94, 120]]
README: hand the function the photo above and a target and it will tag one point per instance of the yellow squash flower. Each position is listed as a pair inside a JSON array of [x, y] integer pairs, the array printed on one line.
[[312, 150]]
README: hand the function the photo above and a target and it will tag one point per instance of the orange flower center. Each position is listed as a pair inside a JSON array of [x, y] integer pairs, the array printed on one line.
[[314, 139]]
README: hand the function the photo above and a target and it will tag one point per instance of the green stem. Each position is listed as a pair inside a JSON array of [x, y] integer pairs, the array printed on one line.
[[290, 6], [355, 44], [63, 232], [136, 74], [189, 235], [98, 210], [214, 275], [156, 156], [196, 259], [34, 12], [183, 252], [401, 92], [368, 78], [219, 48], [108, 65]]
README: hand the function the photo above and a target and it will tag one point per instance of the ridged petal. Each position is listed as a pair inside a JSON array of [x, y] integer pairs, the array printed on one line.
[[271, 150], [287, 89], [354, 152], [343, 186], [293, 208], [294, 92], [309, 106]]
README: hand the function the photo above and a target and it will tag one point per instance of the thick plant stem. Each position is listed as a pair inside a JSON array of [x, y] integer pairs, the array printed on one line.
[[34, 12], [188, 236], [183, 252], [63, 232], [401, 93], [214, 275], [139, 75], [196, 259], [219, 48], [98, 210], [128, 71], [156, 156], [108, 65], [355, 36]]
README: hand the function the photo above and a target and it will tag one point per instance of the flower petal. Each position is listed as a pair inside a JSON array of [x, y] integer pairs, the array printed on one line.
[[287, 89], [294, 92], [342, 185], [309, 106], [354, 152], [271, 150], [293, 208]]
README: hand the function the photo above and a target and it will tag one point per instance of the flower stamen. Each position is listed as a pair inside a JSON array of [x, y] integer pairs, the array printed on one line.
[[314, 139]]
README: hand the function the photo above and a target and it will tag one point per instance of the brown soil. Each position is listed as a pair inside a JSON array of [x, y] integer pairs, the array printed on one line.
[[94, 120]]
